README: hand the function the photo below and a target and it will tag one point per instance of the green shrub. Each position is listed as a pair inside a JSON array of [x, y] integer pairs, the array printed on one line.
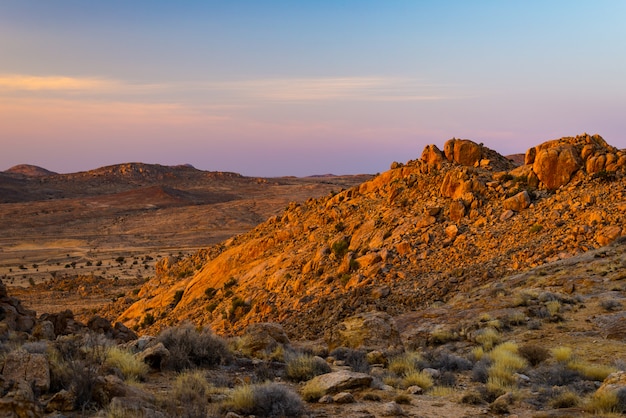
[[340, 248], [304, 367]]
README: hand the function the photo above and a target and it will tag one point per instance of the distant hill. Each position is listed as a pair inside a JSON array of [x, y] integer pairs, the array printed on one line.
[[30, 170]]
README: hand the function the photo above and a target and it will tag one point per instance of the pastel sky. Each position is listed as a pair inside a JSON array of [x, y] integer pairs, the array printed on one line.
[[296, 87]]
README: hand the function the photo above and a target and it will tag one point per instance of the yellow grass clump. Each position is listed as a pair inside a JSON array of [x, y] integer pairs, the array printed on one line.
[[562, 354], [421, 379], [488, 338], [132, 368], [405, 363]]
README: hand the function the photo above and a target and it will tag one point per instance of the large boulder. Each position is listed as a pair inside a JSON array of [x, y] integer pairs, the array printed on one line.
[[264, 336], [31, 368], [556, 162], [613, 383], [19, 401], [369, 331], [555, 166], [432, 156], [155, 356], [463, 151], [340, 381], [518, 202], [14, 314]]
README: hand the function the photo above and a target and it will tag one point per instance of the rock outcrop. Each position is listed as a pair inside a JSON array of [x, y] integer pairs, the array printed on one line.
[[556, 162], [422, 231]]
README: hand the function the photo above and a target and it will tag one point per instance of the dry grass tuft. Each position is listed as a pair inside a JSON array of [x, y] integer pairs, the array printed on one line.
[[312, 391], [487, 338], [303, 367], [562, 354], [415, 378], [405, 363], [132, 368]]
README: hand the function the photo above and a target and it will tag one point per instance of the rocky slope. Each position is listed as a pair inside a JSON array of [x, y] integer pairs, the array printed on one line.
[[417, 234]]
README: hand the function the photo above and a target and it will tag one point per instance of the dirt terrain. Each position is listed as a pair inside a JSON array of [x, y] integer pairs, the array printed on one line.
[[81, 223]]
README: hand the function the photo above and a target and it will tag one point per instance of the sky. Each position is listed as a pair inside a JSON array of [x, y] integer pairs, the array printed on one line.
[[301, 87]]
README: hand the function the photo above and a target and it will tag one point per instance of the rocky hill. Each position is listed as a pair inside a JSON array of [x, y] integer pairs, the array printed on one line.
[[416, 235], [29, 170]]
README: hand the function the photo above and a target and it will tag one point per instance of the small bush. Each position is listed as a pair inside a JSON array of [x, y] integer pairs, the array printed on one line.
[[553, 307], [371, 396], [132, 369], [480, 371], [610, 305], [565, 399], [265, 400], [190, 390], [402, 399], [241, 400], [446, 361], [340, 248], [534, 354], [356, 359], [305, 367], [189, 348], [555, 375], [472, 398]]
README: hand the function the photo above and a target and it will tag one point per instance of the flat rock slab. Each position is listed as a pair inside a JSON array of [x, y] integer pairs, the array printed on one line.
[[342, 380]]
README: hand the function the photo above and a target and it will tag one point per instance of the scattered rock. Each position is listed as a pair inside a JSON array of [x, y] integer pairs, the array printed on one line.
[[264, 336], [342, 380], [518, 202], [613, 383], [414, 390], [392, 409], [507, 214], [155, 356], [61, 401], [608, 234], [371, 331], [19, 401], [343, 398]]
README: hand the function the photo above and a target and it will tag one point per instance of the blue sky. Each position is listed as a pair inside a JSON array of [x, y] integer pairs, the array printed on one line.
[[273, 88]]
